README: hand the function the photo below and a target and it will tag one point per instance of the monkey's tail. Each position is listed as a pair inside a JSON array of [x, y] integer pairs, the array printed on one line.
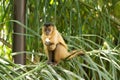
[[75, 53]]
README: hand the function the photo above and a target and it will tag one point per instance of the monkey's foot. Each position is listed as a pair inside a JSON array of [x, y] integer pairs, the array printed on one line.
[[51, 63]]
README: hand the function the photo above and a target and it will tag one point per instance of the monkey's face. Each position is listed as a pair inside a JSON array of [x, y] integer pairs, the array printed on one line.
[[48, 30]]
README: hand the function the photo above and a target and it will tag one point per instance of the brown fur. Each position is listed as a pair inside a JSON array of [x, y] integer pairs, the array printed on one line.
[[62, 53], [58, 47]]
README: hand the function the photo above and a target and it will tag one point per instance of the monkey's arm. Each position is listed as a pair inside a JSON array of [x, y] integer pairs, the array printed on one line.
[[61, 40], [49, 44], [56, 39]]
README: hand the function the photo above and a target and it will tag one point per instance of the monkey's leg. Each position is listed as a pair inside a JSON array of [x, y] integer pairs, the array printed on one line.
[[50, 57], [60, 53]]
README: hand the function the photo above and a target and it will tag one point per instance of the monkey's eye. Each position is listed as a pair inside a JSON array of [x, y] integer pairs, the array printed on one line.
[[47, 29]]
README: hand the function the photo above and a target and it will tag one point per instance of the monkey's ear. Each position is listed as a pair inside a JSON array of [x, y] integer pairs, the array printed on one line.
[[48, 24]]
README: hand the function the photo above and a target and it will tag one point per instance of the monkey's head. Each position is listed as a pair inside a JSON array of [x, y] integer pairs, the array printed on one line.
[[48, 29]]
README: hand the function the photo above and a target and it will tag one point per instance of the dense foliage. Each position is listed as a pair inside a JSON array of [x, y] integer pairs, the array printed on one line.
[[90, 25]]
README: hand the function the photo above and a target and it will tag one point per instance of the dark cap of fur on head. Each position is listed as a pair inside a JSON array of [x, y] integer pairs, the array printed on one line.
[[48, 24]]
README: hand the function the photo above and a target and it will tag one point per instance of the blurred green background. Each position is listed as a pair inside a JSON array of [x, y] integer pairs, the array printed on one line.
[[91, 25]]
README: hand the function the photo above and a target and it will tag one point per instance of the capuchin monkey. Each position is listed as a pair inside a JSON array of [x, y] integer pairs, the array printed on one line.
[[54, 45]]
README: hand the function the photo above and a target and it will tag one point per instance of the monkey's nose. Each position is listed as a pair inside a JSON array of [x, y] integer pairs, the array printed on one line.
[[47, 32]]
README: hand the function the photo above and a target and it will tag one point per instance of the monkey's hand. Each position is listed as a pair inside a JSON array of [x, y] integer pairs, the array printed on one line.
[[50, 45], [47, 42]]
